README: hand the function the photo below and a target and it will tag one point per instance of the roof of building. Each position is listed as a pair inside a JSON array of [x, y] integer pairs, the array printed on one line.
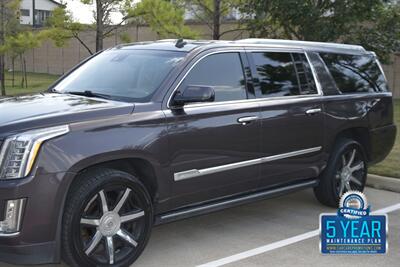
[[57, 3], [189, 45]]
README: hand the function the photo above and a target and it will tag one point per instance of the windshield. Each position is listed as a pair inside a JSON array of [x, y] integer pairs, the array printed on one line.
[[122, 74]]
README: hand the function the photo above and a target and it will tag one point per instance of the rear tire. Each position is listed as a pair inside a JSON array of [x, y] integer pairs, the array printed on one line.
[[346, 170], [107, 219]]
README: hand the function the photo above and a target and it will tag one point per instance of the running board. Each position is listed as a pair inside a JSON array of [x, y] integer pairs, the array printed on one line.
[[231, 202]]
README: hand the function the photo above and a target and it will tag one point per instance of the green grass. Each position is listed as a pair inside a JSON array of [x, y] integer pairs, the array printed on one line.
[[391, 165], [37, 82]]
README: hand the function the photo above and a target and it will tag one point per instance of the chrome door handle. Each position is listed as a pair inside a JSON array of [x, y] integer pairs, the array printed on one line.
[[247, 120], [313, 111]]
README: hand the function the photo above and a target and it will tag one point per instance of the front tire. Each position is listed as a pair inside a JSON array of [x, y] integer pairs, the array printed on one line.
[[346, 170], [107, 219]]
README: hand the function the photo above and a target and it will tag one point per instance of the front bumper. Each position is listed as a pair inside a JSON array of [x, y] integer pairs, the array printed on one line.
[[38, 239]]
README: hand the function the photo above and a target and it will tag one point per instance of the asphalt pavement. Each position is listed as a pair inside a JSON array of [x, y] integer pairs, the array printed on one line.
[[275, 232]]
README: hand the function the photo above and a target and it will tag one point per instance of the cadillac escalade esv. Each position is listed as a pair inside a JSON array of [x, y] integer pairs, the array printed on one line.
[[148, 133]]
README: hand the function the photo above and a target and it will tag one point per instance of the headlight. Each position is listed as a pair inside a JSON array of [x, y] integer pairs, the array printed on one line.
[[19, 152]]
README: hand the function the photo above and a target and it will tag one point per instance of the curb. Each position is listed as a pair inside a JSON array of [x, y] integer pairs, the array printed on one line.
[[384, 183]]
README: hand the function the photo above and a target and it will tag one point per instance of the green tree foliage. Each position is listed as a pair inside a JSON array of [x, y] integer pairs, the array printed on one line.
[[166, 19], [9, 14], [102, 15], [211, 13], [381, 34], [125, 38], [162, 16], [371, 23], [17, 45], [62, 27], [15, 40]]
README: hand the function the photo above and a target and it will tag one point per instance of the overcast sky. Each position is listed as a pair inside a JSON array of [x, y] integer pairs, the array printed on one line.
[[84, 13]]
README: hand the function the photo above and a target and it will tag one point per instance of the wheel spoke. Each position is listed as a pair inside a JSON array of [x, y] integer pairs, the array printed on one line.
[[122, 201], [353, 154], [131, 217], [103, 201], [110, 249], [357, 167], [92, 222], [94, 243], [355, 180], [337, 176], [348, 187], [127, 237], [90, 203], [341, 188], [343, 160]]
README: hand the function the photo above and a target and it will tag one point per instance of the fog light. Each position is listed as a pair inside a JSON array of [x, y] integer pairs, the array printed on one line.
[[13, 215]]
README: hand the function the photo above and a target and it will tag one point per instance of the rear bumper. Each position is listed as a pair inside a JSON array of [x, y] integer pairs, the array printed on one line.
[[382, 140], [38, 239]]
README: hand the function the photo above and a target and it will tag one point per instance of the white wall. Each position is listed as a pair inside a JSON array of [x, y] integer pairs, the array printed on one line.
[[39, 5], [27, 4]]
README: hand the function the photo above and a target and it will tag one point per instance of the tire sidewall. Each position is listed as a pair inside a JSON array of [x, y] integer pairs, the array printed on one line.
[[82, 195], [326, 192]]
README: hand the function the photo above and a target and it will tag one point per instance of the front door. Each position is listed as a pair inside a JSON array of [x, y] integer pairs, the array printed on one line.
[[212, 144]]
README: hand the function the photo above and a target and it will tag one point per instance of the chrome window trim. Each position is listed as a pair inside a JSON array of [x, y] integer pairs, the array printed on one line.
[[314, 73], [179, 176], [243, 49], [277, 99]]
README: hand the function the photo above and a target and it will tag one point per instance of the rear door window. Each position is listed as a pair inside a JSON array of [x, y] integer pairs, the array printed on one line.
[[355, 73], [223, 72], [283, 74]]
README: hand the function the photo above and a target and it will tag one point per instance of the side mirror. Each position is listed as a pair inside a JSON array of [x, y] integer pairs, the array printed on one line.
[[193, 94]]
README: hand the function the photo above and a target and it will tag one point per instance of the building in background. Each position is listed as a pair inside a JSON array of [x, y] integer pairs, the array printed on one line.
[[36, 12]]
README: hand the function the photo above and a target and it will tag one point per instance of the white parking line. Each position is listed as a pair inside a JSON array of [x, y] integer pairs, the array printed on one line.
[[280, 244]]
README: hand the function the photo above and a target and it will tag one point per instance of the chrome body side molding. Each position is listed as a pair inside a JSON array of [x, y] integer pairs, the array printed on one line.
[[179, 176]]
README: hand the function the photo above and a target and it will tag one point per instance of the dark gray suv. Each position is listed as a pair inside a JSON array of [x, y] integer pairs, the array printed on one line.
[[149, 133]]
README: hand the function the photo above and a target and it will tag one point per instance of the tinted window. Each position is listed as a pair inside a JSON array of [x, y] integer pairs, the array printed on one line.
[[123, 74], [355, 74], [223, 72], [325, 78], [283, 74], [25, 12], [306, 80]]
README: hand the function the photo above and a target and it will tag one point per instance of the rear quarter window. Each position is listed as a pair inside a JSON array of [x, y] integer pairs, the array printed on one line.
[[355, 73]]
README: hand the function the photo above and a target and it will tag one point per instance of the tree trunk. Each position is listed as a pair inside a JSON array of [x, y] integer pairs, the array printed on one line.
[[22, 72], [99, 25], [2, 59], [13, 71], [26, 75], [217, 19]]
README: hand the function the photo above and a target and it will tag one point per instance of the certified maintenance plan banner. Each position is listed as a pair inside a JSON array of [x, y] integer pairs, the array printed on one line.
[[366, 235], [353, 230]]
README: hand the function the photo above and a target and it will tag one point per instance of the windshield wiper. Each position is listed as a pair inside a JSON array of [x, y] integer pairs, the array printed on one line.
[[89, 93]]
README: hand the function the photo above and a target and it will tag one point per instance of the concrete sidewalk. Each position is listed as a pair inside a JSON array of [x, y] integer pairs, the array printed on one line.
[[384, 183]]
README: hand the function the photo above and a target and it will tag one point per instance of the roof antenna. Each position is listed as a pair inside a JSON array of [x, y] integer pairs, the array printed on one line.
[[180, 43]]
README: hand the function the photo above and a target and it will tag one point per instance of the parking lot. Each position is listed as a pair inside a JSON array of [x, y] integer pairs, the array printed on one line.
[[275, 232]]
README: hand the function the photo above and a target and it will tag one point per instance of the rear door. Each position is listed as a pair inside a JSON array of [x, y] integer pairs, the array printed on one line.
[[213, 145], [291, 116]]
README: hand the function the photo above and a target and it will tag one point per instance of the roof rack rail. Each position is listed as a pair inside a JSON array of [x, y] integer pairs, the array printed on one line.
[[302, 43]]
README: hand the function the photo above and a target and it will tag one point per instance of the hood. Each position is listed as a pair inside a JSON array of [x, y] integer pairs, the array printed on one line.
[[44, 110]]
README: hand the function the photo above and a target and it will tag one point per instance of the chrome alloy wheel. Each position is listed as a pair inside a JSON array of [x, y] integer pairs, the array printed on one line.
[[109, 232], [351, 173]]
